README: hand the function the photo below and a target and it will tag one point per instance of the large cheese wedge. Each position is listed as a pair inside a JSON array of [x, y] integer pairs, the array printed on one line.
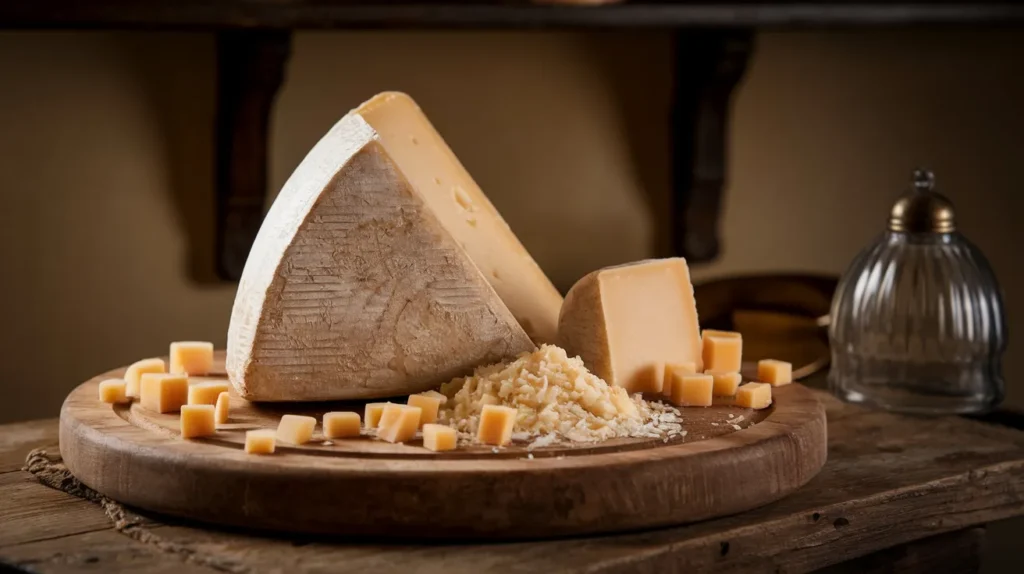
[[627, 321], [354, 287], [465, 212]]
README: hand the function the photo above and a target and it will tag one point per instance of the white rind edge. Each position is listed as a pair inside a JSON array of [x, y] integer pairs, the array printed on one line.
[[291, 207]]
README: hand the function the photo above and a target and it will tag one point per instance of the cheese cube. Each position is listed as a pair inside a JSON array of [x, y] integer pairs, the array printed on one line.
[[398, 423], [722, 352], [341, 424], [439, 437], [496, 424], [372, 414], [134, 373], [692, 390], [206, 392], [754, 396], [715, 333], [620, 320], [295, 429], [197, 421], [113, 391], [684, 368], [262, 441], [191, 357], [428, 404], [162, 392], [223, 408], [775, 373], [725, 384]]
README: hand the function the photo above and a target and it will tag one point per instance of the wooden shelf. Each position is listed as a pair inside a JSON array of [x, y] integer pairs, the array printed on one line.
[[489, 13]]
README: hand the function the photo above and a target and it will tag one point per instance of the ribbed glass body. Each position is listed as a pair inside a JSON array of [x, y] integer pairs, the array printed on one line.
[[918, 326]]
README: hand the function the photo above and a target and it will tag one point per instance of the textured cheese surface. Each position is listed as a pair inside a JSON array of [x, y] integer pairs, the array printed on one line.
[[354, 289], [556, 400], [428, 403], [623, 321], [398, 423], [464, 210], [373, 412]]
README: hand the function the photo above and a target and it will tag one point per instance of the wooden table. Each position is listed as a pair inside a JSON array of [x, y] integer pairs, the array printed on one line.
[[898, 492]]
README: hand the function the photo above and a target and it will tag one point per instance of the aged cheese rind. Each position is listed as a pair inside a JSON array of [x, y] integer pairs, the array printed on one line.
[[354, 289], [464, 210], [623, 321]]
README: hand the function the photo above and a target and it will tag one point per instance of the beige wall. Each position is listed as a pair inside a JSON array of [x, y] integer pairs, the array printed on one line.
[[105, 163]]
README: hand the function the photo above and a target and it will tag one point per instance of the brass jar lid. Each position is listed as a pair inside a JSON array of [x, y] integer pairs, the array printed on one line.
[[922, 209]]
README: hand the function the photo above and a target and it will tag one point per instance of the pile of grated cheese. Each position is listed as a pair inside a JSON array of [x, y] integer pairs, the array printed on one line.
[[558, 400]]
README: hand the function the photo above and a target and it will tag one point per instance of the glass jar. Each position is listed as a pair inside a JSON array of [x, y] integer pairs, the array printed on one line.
[[917, 321]]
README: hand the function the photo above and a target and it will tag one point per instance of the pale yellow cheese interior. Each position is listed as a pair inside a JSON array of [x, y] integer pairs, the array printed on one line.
[[462, 208], [774, 372], [197, 421], [651, 318], [206, 392], [261, 441], [341, 424], [295, 429]]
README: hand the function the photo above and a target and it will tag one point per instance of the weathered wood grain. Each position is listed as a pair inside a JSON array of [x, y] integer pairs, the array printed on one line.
[[956, 552], [136, 457], [28, 511], [16, 440], [889, 480]]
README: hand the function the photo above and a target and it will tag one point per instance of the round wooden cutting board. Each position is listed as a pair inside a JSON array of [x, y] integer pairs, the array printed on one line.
[[366, 487]]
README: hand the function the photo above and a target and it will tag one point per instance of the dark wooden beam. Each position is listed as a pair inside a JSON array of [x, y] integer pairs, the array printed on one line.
[[250, 69], [493, 13], [708, 65]]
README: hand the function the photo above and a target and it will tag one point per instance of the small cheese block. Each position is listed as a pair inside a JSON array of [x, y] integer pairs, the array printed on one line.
[[439, 437], [342, 424], [754, 396], [191, 357], [398, 423], [262, 441], [715, 333], [436, 395], [198, 421], [722, 353], [725, 384], [295, 429], [775, 373], [428, 404], [621, 320], [223, 408], [370, 224], [372, 414], [113, 391], [206, 392], [134, 373], [163, 392], [496, 423], [684, 368], [692, 390]]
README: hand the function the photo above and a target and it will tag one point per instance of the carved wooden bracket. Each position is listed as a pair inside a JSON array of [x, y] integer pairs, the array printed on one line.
[[250, 69], [708, 65]]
